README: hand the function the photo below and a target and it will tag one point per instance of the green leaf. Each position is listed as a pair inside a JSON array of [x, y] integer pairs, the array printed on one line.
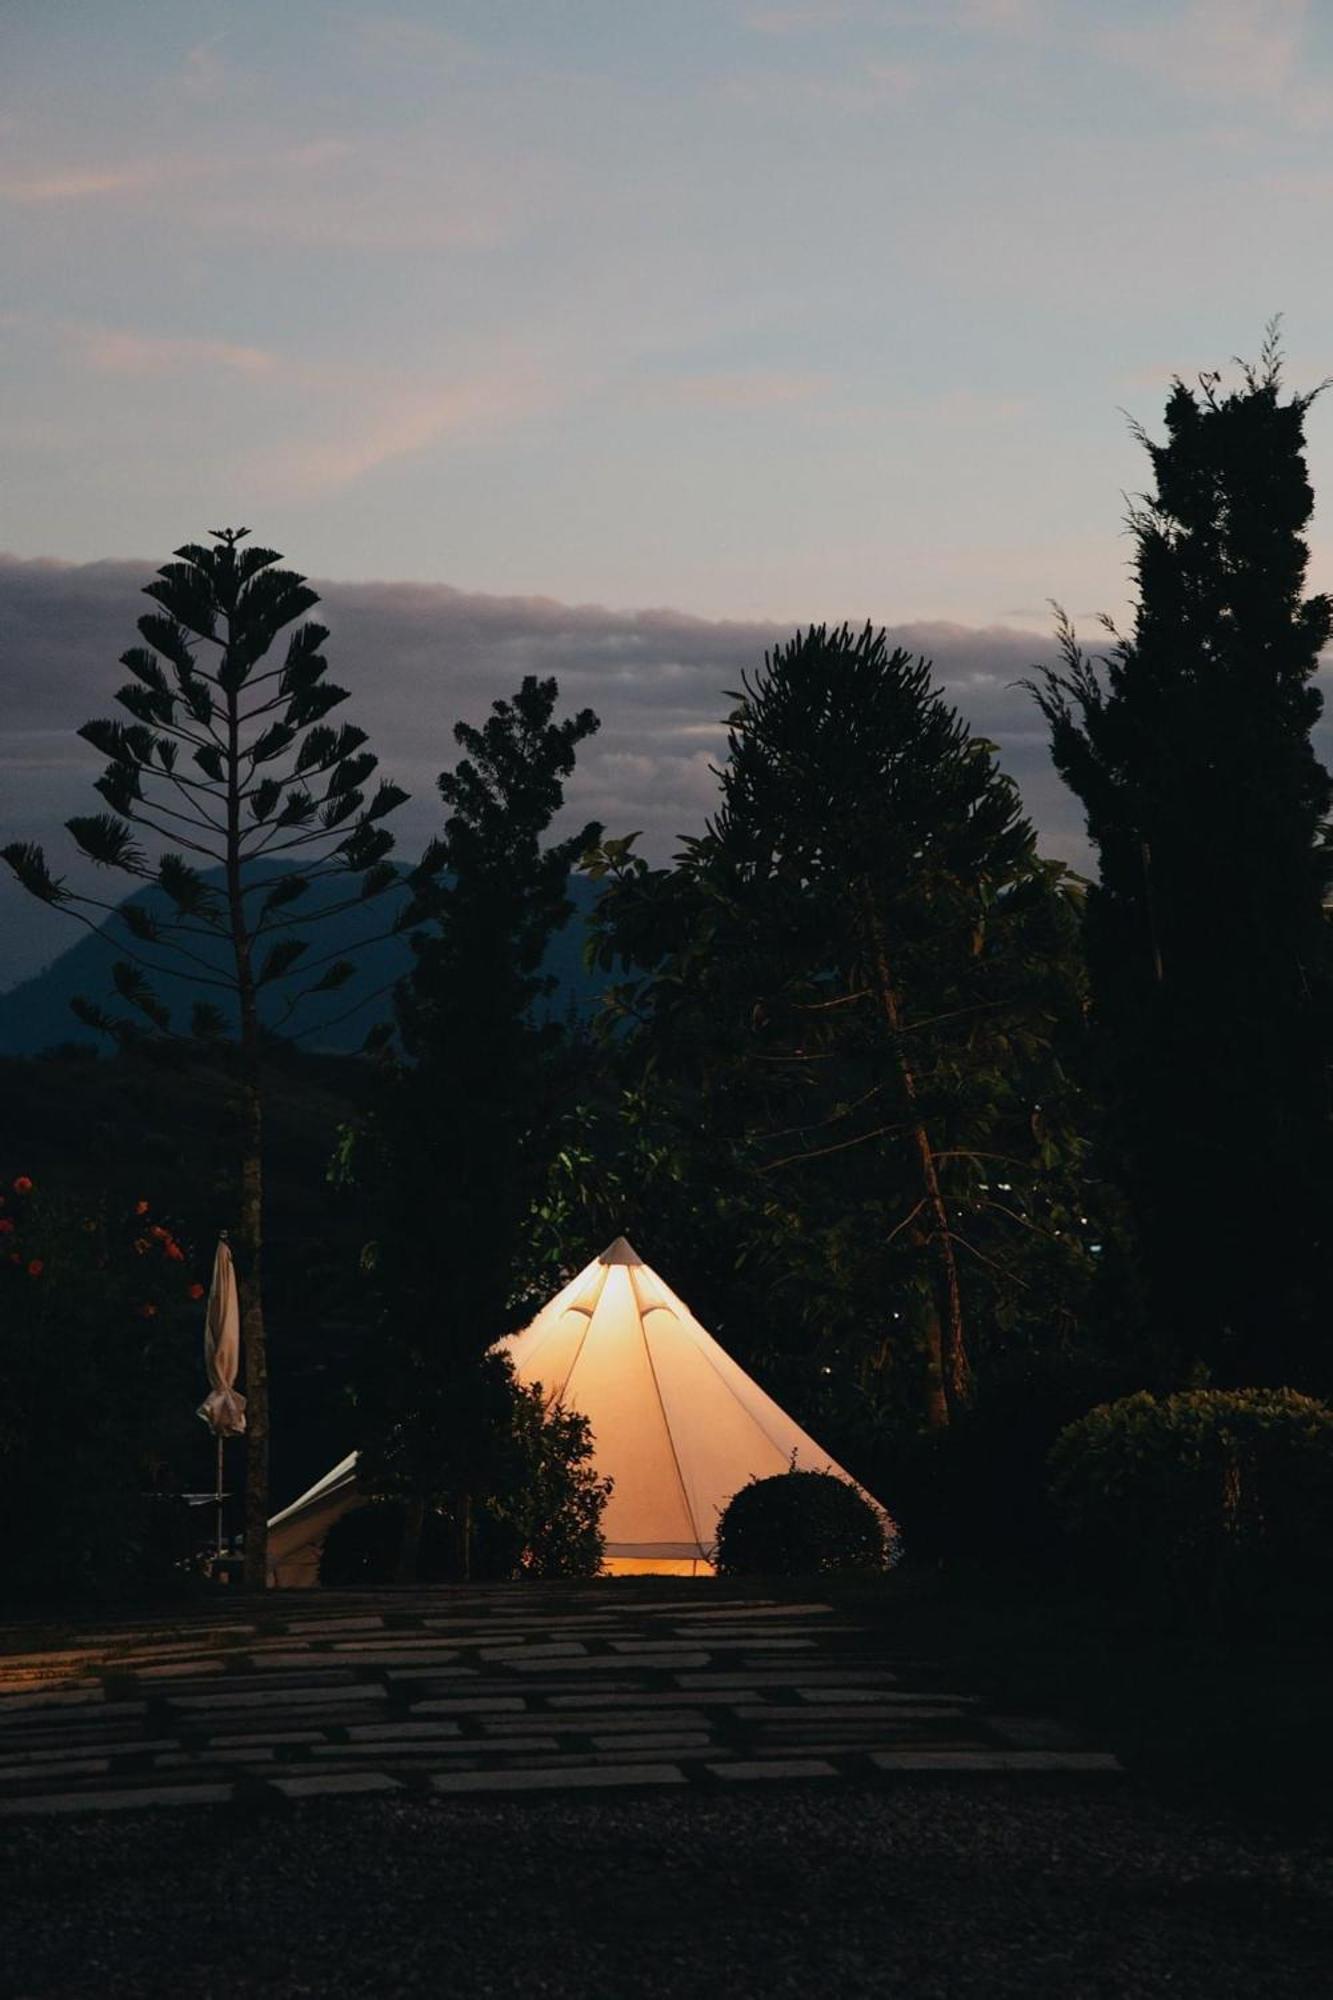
[[145, 666], [272, 743], [184, 591], [107, 736], [131, 985], [339, 808], [337, 975], [320, 747], [280, 959], [299, 808], [288, 890], [119, 786], [386, 800], [351, 773], [144, 705], [139, 923], [29, 865], [187, 888], [108, 841], [313, 703], [166, 636], [264, 798], [377, 879], [91, 1015], [207, 1023]]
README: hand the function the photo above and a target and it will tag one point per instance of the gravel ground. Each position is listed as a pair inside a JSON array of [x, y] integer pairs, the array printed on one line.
[[934, 1890]]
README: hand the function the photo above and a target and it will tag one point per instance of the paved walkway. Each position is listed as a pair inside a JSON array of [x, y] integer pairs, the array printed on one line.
[[506, 1689]]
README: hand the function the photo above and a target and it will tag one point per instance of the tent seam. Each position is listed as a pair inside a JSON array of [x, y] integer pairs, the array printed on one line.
[[666, 1421]]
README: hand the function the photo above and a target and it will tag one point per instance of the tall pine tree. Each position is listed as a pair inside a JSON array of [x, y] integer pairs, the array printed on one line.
[[1189, 746], [228, 765], [468, 1125], [854, 983]]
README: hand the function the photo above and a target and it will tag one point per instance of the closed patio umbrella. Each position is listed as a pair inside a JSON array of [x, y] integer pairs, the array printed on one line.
[[222, 1409]]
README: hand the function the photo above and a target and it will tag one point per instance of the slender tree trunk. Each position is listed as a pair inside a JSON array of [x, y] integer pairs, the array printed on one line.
[[250, 1273], [948, 1383], [250, 1287]]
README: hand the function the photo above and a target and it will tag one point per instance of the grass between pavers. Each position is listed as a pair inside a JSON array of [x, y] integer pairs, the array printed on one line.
[[1244, 1723]]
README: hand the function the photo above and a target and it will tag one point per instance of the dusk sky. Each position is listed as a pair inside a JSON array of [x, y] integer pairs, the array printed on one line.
[[760, 313]]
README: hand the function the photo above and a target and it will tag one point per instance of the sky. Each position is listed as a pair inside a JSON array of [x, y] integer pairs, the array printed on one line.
[[739, 314]]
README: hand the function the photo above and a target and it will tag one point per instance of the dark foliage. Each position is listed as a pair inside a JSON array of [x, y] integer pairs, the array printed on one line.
[[846, 1025], [1208, 943], [798, 1524], [1209, 1504], [462, 1140], [100, 1320], [543, 1518]]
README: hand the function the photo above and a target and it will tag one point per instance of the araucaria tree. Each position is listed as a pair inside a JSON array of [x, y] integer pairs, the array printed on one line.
[[472, 1118], [860, 974], [230, 792], [1208, 943]]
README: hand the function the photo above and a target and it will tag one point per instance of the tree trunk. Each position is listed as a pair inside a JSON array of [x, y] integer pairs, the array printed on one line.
[[250, 1288], [948, 1385], [250, 1285]]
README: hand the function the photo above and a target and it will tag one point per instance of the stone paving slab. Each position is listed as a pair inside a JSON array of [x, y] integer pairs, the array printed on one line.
[[526, 1688]]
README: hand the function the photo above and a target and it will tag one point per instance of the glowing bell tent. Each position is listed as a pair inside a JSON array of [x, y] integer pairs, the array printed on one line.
[[676, 1424]]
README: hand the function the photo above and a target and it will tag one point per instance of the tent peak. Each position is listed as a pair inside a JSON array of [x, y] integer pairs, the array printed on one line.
[[620, 1252]]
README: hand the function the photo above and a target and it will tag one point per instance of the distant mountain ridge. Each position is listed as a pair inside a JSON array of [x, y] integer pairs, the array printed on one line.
[[35, 1015]]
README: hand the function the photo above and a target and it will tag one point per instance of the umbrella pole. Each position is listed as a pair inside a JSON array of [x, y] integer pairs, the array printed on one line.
[[218, 1496]]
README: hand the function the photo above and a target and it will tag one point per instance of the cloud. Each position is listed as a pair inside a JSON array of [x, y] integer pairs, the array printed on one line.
[[371, 419], [80, 183], [1229, 51], [418, 657], [111, 351]]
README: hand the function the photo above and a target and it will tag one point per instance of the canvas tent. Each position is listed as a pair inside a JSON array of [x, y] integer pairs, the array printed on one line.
[[677, 1424]]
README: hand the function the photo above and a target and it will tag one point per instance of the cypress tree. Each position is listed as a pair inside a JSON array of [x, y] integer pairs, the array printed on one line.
[[1189, 745]]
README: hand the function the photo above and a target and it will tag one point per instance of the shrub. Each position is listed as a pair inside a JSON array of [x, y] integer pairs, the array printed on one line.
[[1209, 1503], [100, 1372], [799, 1523], [543, 1518]]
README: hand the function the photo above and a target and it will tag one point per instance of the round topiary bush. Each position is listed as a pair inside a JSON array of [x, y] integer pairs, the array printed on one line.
[[797, 1524], [1213, 1503]]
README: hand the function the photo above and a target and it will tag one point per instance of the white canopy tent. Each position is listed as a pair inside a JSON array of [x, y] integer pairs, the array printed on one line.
[[677, 1425]]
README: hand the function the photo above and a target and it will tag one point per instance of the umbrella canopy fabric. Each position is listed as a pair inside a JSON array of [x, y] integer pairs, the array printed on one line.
[[222, 1409]]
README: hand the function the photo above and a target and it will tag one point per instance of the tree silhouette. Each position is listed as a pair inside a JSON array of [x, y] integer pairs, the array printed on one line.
[[228, 759], [854, 980], [466, 1130], [1189, 746]]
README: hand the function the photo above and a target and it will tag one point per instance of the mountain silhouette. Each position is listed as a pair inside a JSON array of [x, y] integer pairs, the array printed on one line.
[[36, 1015]]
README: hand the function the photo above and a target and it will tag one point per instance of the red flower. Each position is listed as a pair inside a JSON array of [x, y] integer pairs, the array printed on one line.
[[148, 1310], [158, 1233], [6, 1225], [175, 1253], [35, 1268], [141, 1208], [142, 1246], [23, 1185], [196, 1291]]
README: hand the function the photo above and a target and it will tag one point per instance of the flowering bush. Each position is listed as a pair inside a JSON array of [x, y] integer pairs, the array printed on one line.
[[99, 1367]]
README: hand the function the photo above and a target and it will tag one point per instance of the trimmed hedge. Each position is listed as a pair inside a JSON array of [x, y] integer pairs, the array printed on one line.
[[1213, 1504], [797, 1524]]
